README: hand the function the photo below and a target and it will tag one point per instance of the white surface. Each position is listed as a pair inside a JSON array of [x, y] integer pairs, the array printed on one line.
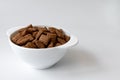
[[95, 22]]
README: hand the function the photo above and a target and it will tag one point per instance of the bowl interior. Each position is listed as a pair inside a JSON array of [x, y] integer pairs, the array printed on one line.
[[11, 32]]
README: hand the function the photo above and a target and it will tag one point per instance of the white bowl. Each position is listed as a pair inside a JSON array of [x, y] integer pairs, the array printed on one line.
[[41, 58]]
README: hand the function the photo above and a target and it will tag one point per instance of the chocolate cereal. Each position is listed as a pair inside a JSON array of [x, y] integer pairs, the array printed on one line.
[[39, 37]]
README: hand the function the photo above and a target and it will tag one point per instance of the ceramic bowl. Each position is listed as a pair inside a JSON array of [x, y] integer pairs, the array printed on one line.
[[41, 58]]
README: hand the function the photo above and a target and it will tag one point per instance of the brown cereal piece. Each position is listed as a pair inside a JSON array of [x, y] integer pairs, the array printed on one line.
[[41, 30], [52, 29], [34, 34], [24, 39], [46, 32], [60, 33], [51, 45], [52, 37], [44, 39], [58, 44], [29, 26], [60, 40], [34, 40], [67, 38], [16, 37], [39, 26], [24, 32], [33, 29], [44, 29], [30, 45], [22, 29], [39, 44], [38, 34]]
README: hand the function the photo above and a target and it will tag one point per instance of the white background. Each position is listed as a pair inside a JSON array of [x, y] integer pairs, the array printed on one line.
[[96, 23]]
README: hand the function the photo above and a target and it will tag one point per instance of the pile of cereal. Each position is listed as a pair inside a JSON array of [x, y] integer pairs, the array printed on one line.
[[39, 37]]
